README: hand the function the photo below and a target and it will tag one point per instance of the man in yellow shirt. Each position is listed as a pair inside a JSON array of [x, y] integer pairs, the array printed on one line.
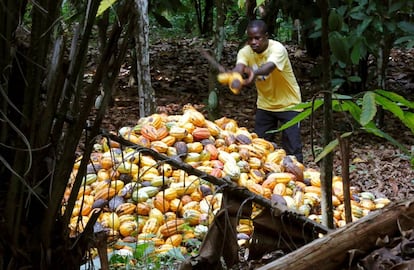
[[266, 62]]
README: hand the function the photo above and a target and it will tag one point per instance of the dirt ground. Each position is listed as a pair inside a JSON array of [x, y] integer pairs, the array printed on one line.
[[180, 76]]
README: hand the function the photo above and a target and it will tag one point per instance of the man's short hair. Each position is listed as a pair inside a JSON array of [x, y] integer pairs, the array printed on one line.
[[259, 24]]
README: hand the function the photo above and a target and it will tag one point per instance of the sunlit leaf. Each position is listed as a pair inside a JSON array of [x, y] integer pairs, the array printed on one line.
[[353, 109], [389, 106], [354, 79], [369, 108], [299, 117], [259, 2], [327, 149], [396, 98], [340, 96], [408, 120], [104, 5], [308, 104]]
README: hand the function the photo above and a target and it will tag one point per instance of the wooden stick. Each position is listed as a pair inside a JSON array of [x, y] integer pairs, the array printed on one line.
[[332, 250]]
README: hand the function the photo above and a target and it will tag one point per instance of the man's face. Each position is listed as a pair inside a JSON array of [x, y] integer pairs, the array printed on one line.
[[257, 40]]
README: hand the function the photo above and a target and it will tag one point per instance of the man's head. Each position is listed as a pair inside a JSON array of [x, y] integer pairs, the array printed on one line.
[[257, 36]]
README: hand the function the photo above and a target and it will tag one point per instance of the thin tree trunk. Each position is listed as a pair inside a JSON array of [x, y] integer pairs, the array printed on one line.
[[327, 162], [146, 93], [208, 18]]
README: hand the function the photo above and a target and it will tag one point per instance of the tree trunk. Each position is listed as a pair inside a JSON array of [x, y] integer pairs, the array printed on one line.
[[250, 9], [219, 39], [208, 18], [146, 93], [334, 250], [271, 11], [327, 162]]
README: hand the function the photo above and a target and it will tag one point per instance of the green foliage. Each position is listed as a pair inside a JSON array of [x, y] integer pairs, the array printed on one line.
[[143, 256], [362, 28], [363, 111]]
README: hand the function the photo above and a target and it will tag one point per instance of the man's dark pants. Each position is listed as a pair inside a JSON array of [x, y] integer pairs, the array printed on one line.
[[291, 139]]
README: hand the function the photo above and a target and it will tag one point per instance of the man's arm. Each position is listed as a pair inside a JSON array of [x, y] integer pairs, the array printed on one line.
[[239, 68], [265, 69]]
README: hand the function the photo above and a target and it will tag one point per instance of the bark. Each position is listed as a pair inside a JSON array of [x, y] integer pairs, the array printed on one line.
[[250, 9], [327, 162], [334, 250], [344, 146], [208, 18], [271, 11], [219, 39], [146, 93]]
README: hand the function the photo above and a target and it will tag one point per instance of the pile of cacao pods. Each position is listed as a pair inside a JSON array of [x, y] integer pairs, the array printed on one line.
[[145, 200]]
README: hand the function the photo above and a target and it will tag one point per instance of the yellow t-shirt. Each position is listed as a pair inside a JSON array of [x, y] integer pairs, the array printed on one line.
[[279, 90]]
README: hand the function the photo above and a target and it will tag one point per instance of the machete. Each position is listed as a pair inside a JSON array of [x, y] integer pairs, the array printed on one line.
[[213, 61]]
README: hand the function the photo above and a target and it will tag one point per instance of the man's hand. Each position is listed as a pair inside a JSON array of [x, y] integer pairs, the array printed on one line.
[[250, 75]]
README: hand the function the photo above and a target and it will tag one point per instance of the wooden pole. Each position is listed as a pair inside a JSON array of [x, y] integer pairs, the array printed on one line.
[[333, 250]]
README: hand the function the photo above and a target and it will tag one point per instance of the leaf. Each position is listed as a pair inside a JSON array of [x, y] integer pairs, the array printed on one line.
[[371, 128], [396, 7], [339, 46], [378, 26], [354, 79], [305, 105], [363, 26], [408, 120], [356, 52], [395, 97], [104, 5], [327, 149], [176, 254], [315, 34], [299, 117], [331, 146], [388, 105], [353, 109], [337, 82], [340, 96], [391, 26], [408, 39], [407, 27], [369, 108], [346, 134], [241, 3], [356, 14], [259, 2]]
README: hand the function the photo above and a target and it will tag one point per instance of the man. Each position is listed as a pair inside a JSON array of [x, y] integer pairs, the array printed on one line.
[[266, 62]]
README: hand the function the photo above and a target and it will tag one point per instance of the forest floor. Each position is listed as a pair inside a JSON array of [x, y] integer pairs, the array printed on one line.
[[179, 76]]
